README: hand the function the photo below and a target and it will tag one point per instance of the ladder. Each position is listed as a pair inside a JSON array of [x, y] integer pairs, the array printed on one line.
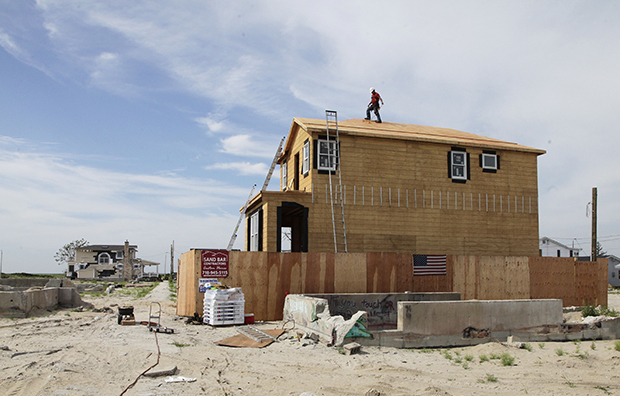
[[245, 207], [335, 182], [273, 165]]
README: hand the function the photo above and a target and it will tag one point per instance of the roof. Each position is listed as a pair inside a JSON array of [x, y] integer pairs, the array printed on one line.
[[107, 247], [559, 244], [393, 130]]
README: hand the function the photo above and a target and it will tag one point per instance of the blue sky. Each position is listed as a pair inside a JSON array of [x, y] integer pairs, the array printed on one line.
[[151, 120]]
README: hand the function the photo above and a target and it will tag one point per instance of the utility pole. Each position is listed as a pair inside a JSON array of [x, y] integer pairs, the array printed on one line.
[[171, 260], [594, 215]]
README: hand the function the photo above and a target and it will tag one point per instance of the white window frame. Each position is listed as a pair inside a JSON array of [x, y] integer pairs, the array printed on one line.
[[305, 165], [485, 166], [284, 168], [102, 255], [326, 152], [458, 165], [254, 232]]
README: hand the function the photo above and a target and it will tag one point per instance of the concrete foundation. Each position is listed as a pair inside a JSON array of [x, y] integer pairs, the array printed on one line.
[[433, 324], [381, 308], [21, 303]]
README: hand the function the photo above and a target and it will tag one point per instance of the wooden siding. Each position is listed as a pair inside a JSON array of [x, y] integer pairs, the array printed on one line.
[[399, 198], [577, 283], [266, 278]]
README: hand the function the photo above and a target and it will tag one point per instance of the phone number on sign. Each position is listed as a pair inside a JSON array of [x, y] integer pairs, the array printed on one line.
[[216, 274]]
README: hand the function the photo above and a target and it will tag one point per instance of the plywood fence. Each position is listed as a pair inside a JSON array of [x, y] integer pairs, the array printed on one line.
[[266, 278]]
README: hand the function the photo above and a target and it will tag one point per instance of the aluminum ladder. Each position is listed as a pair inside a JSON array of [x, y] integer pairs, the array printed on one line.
[[245, 207], [335, 182], [273, 165]]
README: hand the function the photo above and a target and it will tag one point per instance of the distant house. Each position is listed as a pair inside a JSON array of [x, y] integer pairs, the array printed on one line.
[[614, 270], [105, 261], [550, 248], [404, 188]]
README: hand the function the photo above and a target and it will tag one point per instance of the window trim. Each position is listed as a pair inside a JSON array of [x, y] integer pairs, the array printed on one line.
[[330, 143], [254, 232], [284, 170], [102, 255], [465, 165], [305, 154]]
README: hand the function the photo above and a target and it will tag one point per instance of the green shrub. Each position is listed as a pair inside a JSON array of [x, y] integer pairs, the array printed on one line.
[[617, 345], [469, 358], [483, 358], [559, 351], [527, 346], [491, 378], [507, 360]]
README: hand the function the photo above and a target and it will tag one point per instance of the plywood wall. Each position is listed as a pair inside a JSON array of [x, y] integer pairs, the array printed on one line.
[[266, 278], [577, 283]]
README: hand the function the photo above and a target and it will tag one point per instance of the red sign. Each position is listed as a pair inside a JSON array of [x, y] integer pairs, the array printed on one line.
[[214, 264]]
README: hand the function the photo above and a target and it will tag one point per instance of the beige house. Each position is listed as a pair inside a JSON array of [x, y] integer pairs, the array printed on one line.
[[405, 188], [106, 261]]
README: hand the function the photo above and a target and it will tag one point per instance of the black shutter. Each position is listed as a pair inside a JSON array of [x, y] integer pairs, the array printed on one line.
[[260, 230], [315, 153], [498, 162], [468, 168]]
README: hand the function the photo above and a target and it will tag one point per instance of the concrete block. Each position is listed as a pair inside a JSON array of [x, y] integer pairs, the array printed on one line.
[[453, 317]]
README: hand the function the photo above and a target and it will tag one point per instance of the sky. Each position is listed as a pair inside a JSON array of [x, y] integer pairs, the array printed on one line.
[[150, 121]]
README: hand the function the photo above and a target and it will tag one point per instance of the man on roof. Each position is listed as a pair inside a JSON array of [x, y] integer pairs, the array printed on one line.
[[374, 104]]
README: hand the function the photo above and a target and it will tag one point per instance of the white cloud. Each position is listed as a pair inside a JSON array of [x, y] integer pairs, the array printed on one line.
[[245, 145], [49, 201], [243, 168], [211, 123]]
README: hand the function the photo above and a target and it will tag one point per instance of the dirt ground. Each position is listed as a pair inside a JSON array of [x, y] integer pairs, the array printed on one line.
[[88, 353]]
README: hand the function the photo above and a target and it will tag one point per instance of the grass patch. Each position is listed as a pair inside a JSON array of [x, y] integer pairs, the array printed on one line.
[[617, 345], [469, 358], [483, 358], [568, 382], [491, 378], [559, 352], [494, 356], [447, 354], [426, 350], [180, 345], [590, 310], [507, 359], [603, 388], [25, 275], [541, 345], [527, 346], [593, 346]]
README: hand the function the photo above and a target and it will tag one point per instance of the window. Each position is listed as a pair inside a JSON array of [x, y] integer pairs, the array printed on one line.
[[254, 232], [119, 255], [327, 155], [284, 169], [104, 258], [458, 162], [305, 165], [489, 161], [559, 253]]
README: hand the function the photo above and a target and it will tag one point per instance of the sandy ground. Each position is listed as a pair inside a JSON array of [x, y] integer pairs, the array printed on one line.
[[88, 353]]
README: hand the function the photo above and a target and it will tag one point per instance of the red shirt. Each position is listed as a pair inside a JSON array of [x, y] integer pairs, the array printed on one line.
[[374, 99]]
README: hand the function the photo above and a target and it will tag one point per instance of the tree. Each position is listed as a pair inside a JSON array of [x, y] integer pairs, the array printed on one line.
[[599, 250], [67, 253]]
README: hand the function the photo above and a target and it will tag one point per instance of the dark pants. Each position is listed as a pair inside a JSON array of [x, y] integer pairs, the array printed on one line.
[[373, 107]]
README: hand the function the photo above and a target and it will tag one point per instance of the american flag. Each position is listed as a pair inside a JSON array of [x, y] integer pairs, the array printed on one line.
[[429, 264]]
